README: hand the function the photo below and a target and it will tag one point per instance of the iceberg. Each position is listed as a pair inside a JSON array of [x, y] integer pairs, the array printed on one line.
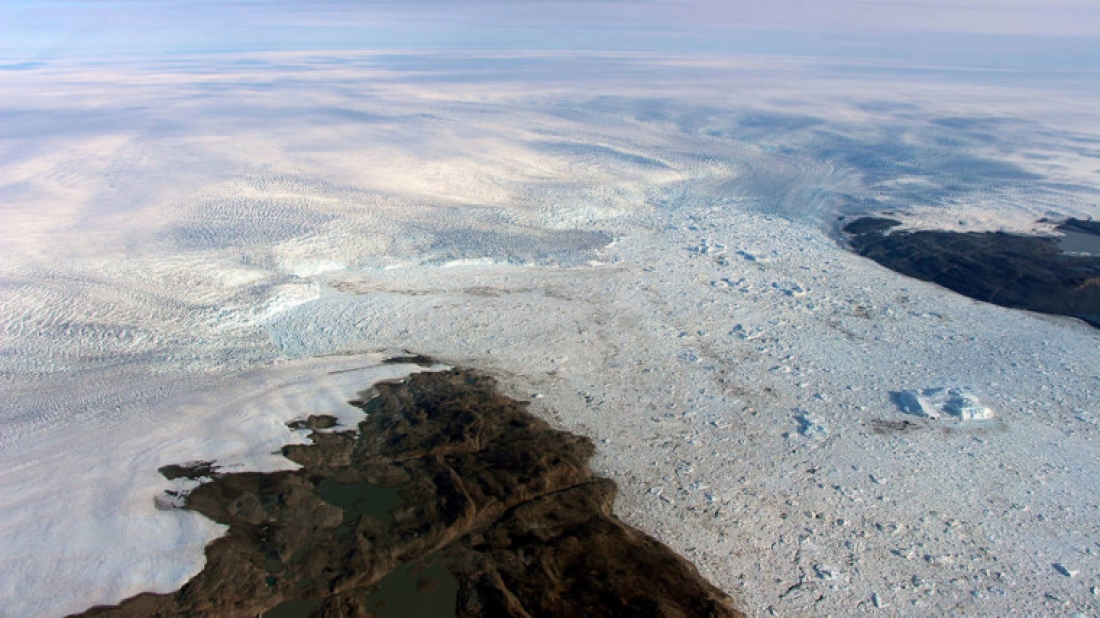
[[933, 403]]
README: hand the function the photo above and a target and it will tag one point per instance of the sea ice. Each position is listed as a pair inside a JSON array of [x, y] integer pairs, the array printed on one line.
[[935, 402]]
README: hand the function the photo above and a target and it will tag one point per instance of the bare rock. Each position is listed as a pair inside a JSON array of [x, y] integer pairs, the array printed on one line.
[[450, 500]]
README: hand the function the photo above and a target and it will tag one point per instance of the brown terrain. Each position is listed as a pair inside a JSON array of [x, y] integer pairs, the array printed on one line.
[[1011, 270], [449, 500]]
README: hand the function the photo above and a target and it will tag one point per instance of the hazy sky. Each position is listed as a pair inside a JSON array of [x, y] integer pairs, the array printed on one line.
[[925, 30]]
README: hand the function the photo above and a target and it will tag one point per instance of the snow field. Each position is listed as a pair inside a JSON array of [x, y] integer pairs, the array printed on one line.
[[83, 514]]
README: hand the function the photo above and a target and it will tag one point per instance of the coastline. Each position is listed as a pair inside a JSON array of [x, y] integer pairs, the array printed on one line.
[[1047, 274], [446, 484]]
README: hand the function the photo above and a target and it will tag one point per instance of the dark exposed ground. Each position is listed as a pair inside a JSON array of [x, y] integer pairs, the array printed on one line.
[[1011, 270], [450, 500]]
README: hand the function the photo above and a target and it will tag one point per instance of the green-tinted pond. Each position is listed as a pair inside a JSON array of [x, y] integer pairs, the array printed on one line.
[[358, 499], [408, 592]]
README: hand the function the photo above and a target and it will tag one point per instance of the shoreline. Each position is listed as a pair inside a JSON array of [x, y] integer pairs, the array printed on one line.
[[444, 477], [1047, 274]]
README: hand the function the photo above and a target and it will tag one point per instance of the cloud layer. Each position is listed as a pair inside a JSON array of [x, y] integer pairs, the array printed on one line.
[[808, 27]]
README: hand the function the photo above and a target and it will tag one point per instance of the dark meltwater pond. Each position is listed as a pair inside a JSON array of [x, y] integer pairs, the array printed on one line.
[[1079, 242]]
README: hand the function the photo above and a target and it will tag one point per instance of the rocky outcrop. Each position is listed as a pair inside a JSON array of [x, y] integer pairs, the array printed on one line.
[[450, 500], [1011, 270]]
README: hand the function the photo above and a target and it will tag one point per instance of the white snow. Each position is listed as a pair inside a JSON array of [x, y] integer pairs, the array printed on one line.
[[177, 290], [79, 515], [311, 268]]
